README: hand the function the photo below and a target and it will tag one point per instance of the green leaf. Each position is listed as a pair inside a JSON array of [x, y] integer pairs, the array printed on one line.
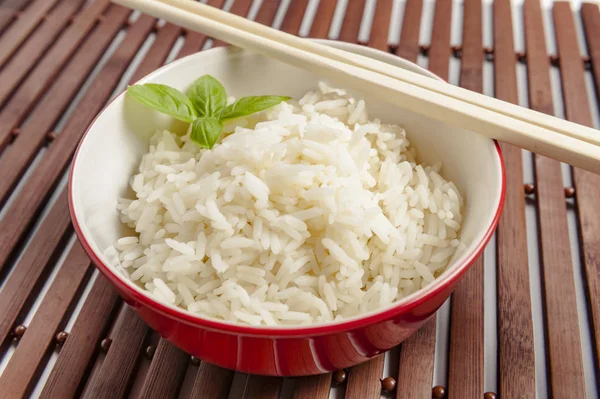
[[250, 105], [206, 130], [165, 99], [208, 96]]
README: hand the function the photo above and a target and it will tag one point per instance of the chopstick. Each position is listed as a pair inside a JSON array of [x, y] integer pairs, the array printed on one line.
[[537, 118], [541, 140]]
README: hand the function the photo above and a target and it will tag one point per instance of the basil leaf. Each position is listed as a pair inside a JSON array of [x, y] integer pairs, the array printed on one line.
[[165, 99], [208, 96], [250, 105], [206, 130]]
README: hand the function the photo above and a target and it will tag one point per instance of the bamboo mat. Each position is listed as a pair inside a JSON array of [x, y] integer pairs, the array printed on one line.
[[523, 323]]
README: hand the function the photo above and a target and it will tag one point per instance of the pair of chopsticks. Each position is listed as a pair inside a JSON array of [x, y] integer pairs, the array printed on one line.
[[537, 132]]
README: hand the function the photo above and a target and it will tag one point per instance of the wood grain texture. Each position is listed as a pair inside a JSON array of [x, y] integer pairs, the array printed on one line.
[[158, 52], [577, 109], [57, 157], [51, 107], [294, 16], [312, 387], [212, 382], [262, 387], [380, 28], [44, 247], [267, 11], [239, 7], [9, 10], [27, 95], [33, 49], [166, 372], [194, 41], [17, 377], [417, 358], [409, 35], [465, 368], [89, 328], [590, 14], [113, 377], [20, 29], [439, 50], [352, 21], [322, 21], [363, 380], [516, 358], [565, 372]]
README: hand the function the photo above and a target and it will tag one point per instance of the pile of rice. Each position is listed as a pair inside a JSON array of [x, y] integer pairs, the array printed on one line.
[[307, 213]]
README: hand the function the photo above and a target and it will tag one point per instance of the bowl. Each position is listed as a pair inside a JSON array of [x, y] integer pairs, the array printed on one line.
[[114, 143]]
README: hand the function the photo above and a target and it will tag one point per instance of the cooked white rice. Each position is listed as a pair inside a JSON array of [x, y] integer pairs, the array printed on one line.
[[308, 213]]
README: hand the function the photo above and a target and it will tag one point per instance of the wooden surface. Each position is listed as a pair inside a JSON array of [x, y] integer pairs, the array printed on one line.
[[59, 55]]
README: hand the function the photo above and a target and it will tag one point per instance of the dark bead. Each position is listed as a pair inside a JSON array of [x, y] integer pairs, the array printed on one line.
[[569, 192], [457, 51], [388, 384], [194, 360], [529, 189], [105, 344], [19, 331], [15, 132], [521, 56], [489, 395], [424, 49], [438, 392], [554, 61], [61, 337], [339, 376], [150, 351]]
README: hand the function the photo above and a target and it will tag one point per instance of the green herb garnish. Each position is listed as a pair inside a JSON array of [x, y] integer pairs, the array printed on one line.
[[204, 107]]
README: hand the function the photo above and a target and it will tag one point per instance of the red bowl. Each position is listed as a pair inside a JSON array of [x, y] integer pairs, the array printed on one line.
[[280, 351]]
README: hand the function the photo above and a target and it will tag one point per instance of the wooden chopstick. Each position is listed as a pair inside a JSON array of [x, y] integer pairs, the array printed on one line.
[[536, 118], [414, 98]]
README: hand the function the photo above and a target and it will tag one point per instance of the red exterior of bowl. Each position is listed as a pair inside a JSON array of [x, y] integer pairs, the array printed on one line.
[[298, 350]]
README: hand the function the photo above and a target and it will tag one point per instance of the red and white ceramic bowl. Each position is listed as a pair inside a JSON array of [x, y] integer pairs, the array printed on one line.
[[110, 152]]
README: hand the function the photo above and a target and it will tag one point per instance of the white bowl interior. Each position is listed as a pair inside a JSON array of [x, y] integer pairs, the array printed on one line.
[[111, 150]]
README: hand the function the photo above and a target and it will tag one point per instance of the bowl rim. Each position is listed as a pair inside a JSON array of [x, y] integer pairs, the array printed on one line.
[[140, 297]]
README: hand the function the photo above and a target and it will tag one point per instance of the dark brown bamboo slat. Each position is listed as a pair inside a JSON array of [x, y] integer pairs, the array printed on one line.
[[262, 387], [465, 369], [113, 377], [380, 28], [294, 16], [166, 372], [352, 21], [44, 73], [409, 35], [45, 34], [590, 13], [56, 158], [22, 27], [17, 377], [322, 21], [212, 382], [17, 157], [30, 267], [312, 387], [239, 7], [363, 380], [516, 359], [439, 50], [159, 51], [9, 11], [74, 356], [566, 371], [577, 108], [194, 41], [267, 11]]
